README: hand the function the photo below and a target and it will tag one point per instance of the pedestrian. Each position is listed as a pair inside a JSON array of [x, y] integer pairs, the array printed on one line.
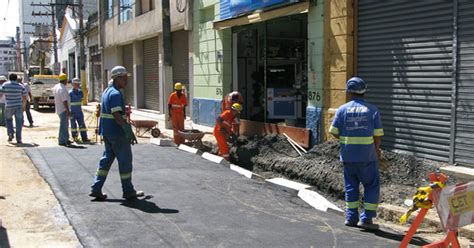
[[77, 116], [28, 102], [118, 137], [358, 127], [61, 104], [223, 129], [226, 104], [177, 103], [15, 99], [3, 79]]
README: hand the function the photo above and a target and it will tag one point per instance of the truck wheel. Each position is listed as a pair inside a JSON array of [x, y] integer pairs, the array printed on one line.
[[36, 104]]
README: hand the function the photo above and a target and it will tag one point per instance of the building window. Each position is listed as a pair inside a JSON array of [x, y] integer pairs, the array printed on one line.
[[146, 6], [125, 10], [109, 9]]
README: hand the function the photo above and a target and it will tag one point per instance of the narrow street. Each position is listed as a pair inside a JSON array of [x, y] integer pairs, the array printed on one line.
[[197, 204]]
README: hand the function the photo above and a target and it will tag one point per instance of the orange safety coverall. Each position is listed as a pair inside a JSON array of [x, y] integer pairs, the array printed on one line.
[[177, 115], [227, 104], [228, 119]]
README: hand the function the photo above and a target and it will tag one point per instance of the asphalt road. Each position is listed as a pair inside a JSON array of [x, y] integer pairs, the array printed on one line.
[[190, 202]]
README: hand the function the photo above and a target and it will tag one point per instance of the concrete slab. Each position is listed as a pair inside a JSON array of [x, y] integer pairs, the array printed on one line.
[[188, 149], [162, 142], [190, 202], [460, 172]]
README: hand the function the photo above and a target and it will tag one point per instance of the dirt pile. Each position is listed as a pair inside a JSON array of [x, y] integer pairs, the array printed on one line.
[[321, 168]]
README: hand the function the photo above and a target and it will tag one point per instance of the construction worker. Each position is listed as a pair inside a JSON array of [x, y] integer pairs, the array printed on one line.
[[226, 104], [77, 116], [61, 105], [223, 129], [177, 103], [358, 127], [118, 137]]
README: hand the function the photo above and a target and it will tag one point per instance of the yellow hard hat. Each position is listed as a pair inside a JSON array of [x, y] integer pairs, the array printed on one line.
[[62, 77], [178, 86], [237, 107]]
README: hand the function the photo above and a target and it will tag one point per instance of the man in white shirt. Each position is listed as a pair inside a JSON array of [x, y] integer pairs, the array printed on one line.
[[61, 104]]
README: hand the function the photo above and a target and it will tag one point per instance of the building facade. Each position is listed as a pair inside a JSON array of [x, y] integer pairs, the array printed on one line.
[[270, 51], [131, 35], [8, 56]]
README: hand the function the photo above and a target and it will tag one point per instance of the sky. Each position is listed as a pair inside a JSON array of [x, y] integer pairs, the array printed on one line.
[[9, 17]]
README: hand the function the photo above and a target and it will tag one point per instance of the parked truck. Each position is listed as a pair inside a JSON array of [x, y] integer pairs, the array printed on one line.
[[42, 90]]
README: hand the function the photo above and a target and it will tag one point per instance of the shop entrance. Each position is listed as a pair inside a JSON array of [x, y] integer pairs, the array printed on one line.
[[270, 69]]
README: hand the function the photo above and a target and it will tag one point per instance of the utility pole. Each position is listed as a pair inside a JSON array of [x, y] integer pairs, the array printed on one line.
[[82, 51], [55, 40]]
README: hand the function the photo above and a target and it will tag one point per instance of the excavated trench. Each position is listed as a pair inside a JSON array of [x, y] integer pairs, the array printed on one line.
[[272, 156]]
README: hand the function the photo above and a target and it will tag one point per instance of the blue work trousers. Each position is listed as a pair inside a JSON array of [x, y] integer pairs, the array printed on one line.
[[63, 137], [368, 175], [16, 112], [77, 120], [115, 147]]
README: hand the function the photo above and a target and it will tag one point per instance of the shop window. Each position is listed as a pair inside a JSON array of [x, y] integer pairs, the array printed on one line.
[[125, 10], [146, 6], [109, 9]]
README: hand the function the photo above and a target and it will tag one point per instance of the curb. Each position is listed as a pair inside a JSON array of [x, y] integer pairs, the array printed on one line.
[[241, 171], [216, 159], [189, 149], [161, 142]]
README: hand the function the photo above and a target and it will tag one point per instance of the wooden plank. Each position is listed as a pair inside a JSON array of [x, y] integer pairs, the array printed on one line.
[[298, 134]]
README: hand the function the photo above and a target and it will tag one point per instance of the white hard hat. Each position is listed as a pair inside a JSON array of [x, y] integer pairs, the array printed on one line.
[[3, 78], [111, 81], [118, 71], [76, 80]]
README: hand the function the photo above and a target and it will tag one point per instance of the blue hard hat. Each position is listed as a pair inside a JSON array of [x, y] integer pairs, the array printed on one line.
[[356, 85]]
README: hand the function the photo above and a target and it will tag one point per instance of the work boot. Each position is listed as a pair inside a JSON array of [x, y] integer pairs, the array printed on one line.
[[98, 195], [10, 137], [351, 223], [133, 194], [76, 139], [368, 225]]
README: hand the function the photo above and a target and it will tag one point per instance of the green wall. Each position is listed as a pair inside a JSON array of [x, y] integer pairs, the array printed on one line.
[[212, 76]]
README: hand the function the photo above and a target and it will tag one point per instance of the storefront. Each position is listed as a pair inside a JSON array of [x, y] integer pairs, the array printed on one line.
[[127, 58], [418, 60]]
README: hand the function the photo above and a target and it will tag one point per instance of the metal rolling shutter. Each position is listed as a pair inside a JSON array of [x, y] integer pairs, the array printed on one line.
[[181, 61], [464, 142], [405, 56], [128, 64], [151, 73]]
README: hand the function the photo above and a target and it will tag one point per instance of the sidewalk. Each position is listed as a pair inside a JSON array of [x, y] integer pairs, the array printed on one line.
[[145, 114]]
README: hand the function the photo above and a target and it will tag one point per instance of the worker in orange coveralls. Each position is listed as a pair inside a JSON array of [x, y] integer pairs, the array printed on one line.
[[229, 99], [177, 103], [223, 128]]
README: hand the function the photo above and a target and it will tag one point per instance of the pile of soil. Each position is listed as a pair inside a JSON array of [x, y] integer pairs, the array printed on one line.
[[321, 168]]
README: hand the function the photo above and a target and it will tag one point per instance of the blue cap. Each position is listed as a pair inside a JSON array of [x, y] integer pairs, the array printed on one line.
[[356, 85]]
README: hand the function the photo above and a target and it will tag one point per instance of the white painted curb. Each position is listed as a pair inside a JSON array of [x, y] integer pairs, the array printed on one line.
[[161, 142], [317, 201], [289, 184], [242, 171], [214, 158], [188, 149]]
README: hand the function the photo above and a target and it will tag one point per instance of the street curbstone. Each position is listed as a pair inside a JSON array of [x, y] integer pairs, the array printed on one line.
[[161, 142], [189, 149], [216, 159], [242, 171], [318, 201]]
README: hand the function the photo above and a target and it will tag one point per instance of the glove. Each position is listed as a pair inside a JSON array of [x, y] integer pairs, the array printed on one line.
[[130, 136], [232, 138]]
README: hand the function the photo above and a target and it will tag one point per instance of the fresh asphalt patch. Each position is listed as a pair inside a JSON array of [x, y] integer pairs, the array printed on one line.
[[190, 202]]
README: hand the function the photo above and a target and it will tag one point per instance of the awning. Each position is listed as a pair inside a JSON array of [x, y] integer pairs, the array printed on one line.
[[293, 9]]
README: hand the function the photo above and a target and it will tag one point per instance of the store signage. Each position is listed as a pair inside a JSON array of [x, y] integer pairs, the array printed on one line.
[[234, 8]]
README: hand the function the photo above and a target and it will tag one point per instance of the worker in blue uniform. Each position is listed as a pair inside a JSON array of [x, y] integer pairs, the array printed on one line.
[[77, 116], [118, 138], [358, 127]]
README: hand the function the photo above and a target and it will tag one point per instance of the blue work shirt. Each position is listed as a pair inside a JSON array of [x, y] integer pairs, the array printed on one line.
[[76, 100], [356, 123], [112, 101]]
